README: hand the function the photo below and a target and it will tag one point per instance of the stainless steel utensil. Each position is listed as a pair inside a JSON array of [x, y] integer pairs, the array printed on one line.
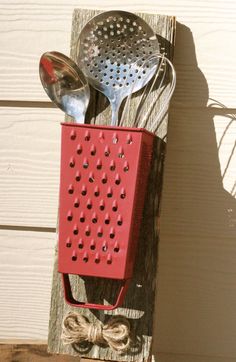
[[163, 84], [65, 84], [107, 51]]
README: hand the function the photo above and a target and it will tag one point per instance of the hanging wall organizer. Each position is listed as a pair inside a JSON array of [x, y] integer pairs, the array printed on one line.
[[110, 191]]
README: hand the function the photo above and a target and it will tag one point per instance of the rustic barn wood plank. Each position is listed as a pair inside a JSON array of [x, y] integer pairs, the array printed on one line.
[[23, 352], [30, 353], [139, 302]]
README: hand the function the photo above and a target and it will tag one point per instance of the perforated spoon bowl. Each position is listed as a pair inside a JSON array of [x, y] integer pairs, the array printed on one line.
[[65, 84], [107, 51]]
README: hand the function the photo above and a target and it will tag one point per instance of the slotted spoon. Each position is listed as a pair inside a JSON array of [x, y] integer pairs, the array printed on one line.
[[111, 49]]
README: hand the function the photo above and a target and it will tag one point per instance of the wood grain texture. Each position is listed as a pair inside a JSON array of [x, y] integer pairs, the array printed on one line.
[[166, 357], [38, 353], [139, 302], [26, 261], [30, 353], [209, 28]]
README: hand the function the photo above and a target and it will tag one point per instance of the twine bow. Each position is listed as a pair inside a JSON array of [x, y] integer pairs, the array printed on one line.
[[115, 333]]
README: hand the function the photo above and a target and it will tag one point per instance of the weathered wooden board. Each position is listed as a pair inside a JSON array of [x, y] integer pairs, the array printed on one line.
[[30, 353], [24, 352], [139, 302]]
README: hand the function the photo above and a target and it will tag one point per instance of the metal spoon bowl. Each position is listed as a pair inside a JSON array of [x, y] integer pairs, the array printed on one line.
[[65, 84], [107, 51]]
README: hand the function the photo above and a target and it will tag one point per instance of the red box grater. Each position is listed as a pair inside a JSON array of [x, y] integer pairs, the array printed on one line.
[[104, 172]]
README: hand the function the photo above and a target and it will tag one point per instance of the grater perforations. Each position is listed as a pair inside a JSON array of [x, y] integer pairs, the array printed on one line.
[[99, 167]]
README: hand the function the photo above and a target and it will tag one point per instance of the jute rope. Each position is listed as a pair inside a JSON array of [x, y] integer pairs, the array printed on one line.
[[115, 333]]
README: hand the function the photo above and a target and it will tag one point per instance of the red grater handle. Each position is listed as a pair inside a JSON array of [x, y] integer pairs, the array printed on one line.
[[72, 301]]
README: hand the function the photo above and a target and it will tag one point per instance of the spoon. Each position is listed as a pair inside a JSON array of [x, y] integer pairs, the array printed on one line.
[[107, 51], [65, 84]]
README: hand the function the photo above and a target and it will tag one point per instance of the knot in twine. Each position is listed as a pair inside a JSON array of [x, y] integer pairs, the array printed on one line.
[[115, 333]]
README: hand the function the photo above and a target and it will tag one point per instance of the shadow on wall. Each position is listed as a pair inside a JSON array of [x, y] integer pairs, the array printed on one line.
[[196, 293]]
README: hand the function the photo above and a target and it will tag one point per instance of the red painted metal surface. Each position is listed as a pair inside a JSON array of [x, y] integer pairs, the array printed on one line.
[[104, 172]]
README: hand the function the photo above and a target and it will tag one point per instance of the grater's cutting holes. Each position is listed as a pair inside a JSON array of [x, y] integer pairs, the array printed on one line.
[[85, 163], [129, 139], [102, 205], [112, 233], [73, 135], [116, 248], [104, 178], [114, 206], [87, 136], [91, 177], [126, 167], [85, 258], [74, 256], [82, 217], [109, 259], [112, 166], [107, 151], [97, 258], [70, 189], [69, 216], [101, 136], [68, 243], [76, 203], [78, 176], [79, 149], [94, 218], [122, 194], [117, 179], [107, 219], [109, 192], [80, 244], [104, 247], [119, 220], [72, 163], [100, 232], [84, 191], [89, 204], [115, 137], [92, 245], [121, 153], [99, 164], [96, 191], [75, 231], [87, 231], [93, 150]]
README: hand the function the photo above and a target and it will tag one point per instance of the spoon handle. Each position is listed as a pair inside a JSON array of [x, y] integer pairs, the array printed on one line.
[[115, 106]]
